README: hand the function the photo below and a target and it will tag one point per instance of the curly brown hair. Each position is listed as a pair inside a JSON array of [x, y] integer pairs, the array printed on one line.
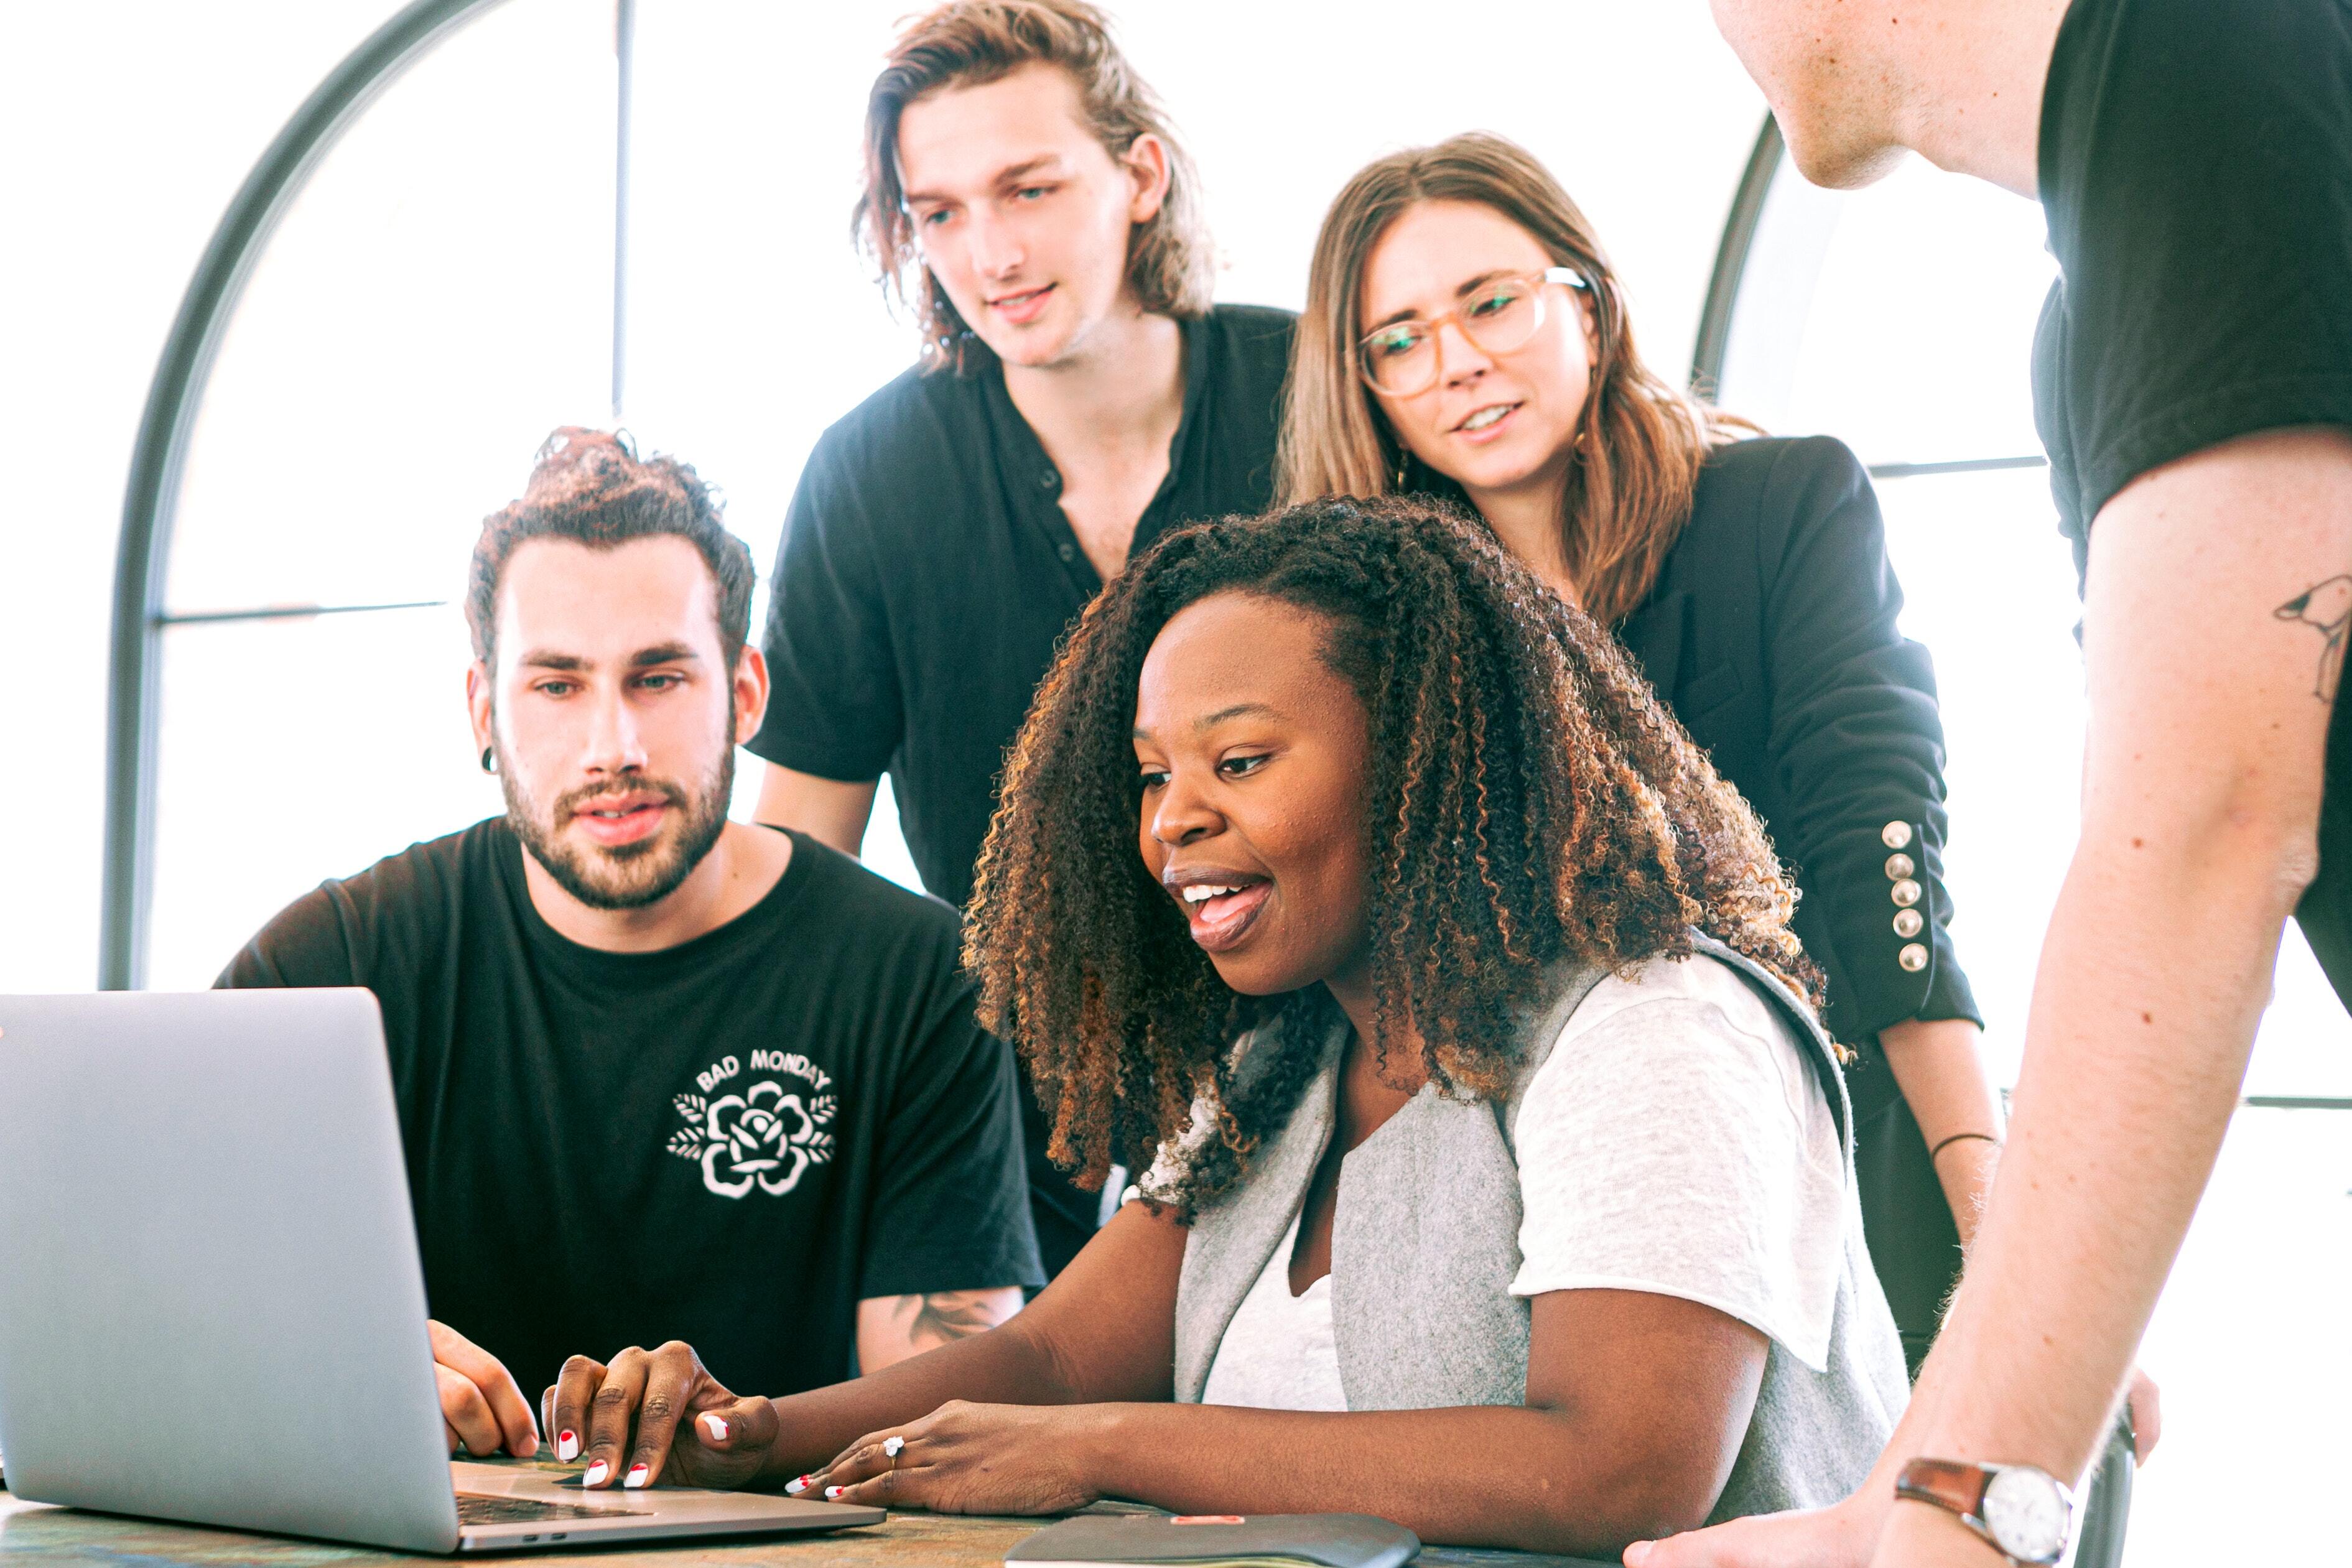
[[1530, 801], [591, 488]]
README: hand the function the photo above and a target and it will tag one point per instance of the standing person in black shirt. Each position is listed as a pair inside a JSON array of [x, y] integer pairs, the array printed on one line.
[[661, 1075], [1076, 395], [2193, 380]]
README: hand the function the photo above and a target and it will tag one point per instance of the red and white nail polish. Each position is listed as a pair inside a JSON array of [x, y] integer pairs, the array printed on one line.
[[832, 1493], [596, 1474], [716, 1425], [638, 1476], [567, 1446], [796, 1486]]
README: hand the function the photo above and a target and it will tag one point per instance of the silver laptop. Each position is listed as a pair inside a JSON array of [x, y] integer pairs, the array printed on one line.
[[211, 1307]]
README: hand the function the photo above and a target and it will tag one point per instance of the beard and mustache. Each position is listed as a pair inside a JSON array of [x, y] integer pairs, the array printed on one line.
[[622, 876]]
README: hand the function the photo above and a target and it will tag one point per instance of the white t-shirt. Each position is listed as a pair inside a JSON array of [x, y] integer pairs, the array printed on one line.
[[1675, 1141], [1281, 1350]]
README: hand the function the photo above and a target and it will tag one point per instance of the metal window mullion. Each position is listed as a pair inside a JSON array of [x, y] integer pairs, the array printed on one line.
[[144, 552]]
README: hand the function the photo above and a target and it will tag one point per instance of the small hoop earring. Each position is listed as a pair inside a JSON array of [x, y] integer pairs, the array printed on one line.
[[489, 759]]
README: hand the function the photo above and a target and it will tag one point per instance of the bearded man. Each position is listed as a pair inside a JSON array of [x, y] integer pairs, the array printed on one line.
[[660, 1074]]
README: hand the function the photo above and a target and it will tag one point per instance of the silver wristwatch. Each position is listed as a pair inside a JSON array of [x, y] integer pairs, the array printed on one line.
[[2027, 1514]]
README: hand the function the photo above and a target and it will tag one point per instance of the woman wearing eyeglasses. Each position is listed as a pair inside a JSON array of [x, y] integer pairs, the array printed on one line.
[[1463, 336]]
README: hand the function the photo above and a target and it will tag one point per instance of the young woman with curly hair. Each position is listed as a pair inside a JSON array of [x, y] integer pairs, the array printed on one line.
[[1504, 1187]]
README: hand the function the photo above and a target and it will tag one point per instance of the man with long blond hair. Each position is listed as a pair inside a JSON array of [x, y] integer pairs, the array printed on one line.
[[1077, 395]]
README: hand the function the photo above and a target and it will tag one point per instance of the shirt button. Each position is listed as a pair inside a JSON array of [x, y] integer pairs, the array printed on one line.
[[1898, 867], [1907, 923], [1068, 552], [1895, 835], [1047, 479], [1904, 893], [1912, 957]]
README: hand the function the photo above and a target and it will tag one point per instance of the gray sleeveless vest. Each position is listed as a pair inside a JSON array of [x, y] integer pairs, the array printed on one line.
[[1428, 1215]]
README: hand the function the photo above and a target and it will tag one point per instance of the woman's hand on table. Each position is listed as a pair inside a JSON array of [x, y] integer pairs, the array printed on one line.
[[481, 1405], [656, 1415], [971, 1458]]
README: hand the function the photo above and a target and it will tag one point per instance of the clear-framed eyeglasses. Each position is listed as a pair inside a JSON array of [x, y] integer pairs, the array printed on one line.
[[1400, 359]]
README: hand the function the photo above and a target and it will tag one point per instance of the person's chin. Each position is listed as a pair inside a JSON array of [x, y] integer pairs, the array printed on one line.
[[1037, 347], [1502, 468], [1833, 159], [1036, 344], [1253, 971], [627, 876]]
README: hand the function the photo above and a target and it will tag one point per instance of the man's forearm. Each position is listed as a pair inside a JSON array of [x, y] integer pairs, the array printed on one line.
[[2152, 980], [892, 1328]]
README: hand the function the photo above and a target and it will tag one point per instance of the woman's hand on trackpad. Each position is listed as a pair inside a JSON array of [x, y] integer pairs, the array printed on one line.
[[654, 1416]]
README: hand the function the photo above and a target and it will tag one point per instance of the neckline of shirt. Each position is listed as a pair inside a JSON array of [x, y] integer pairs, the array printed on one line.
[[1023, 459], [600, 962]]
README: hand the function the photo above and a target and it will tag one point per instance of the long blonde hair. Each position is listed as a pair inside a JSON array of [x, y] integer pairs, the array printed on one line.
[[969, 43], [1640, 440]]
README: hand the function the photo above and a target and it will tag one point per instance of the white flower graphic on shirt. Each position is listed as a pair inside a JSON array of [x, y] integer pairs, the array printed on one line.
[[762, 1137]]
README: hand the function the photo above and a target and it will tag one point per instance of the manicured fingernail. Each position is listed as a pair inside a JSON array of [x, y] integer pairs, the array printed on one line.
[[832, 1493], [1637, 1554], [638, 1476], [567, 1446], [596, 1474], [717, 1426], [796, 1486]]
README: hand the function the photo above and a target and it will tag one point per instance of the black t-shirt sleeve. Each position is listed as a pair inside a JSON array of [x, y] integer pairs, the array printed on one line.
[[951, 1205], [833, 705], [2196, 163], [306, 944]]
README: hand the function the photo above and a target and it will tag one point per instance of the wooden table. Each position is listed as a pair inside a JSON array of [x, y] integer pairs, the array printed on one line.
[[34, 1533]]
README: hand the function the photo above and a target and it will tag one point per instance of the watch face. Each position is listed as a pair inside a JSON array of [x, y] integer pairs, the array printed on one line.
[[2028, 1514]]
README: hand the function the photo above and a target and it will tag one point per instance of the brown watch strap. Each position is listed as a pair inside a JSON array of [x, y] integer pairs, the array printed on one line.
[[1946, 1483]]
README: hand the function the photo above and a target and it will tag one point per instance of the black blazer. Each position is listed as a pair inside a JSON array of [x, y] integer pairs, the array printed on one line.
[[1772, 634]]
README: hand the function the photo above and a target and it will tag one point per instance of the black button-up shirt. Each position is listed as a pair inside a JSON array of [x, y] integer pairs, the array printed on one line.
[[927, 571]]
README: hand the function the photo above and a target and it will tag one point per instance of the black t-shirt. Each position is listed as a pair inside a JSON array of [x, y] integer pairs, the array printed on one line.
[[2195, 167], [730, 1142], [927, 571]]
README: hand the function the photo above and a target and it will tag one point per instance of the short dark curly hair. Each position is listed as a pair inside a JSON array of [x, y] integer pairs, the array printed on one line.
[[1530, 801], [589, 486]]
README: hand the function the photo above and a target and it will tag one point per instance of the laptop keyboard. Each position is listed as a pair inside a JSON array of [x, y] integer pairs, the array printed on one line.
[[473, 1507]]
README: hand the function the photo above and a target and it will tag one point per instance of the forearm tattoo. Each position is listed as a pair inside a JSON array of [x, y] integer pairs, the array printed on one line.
[[934, 1320], [2327, 608]]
